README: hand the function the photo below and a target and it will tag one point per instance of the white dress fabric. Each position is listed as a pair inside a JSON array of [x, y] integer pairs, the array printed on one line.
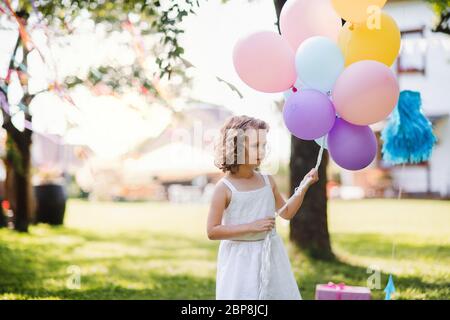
[[239, 259]]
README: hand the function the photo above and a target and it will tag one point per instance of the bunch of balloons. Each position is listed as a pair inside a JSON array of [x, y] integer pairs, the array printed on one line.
[[336, 79]]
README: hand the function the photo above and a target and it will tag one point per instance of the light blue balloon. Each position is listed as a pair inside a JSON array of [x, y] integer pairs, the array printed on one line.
[[319, 62], [321, 141]]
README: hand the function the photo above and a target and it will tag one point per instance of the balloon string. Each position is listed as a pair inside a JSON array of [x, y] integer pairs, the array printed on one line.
[[319, 157], [399, 197], [266, 250], [304, 182]]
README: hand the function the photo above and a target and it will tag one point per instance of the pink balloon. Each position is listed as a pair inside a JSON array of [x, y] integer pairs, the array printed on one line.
[[265, 61], [302, 19], [366, 92]]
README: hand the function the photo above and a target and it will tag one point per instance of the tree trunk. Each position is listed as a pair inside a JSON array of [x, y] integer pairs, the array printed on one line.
[[309, 227], [278, 6], [18, 185], [3, 218], [3, 221], [18, 189]]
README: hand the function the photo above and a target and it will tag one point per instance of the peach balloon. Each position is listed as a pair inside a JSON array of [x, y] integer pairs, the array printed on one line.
[[365, 93], [302, 19], [265, 62]]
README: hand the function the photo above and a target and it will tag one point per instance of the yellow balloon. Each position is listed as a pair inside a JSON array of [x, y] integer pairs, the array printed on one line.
[[378, 40], [357, 11]]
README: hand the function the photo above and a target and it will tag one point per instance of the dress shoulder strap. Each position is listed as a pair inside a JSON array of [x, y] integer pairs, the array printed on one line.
[[229, 184], [266, 179]]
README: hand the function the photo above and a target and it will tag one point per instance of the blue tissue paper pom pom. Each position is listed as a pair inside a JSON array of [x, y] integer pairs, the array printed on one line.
[[408, 135]]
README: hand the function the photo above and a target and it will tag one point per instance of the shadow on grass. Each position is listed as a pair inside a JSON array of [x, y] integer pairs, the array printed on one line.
[[413, 287], [409, 286], [134, 265], [380, 246], [143, 265], [159, 287]]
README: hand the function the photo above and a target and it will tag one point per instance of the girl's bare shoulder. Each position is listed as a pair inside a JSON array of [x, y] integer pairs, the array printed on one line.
[[220, 186], [221, 195], [221, 189]]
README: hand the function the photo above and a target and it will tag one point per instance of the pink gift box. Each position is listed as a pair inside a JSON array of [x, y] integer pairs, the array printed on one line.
[[340, 291]]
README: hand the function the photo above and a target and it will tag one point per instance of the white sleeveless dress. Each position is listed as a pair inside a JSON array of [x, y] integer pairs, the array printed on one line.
[[239, 259]]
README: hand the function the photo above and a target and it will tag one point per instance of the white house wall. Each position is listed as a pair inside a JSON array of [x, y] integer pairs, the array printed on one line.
[[440, 163], [435, 91]]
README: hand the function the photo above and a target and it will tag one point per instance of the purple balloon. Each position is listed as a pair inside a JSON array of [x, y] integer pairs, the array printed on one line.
[[309, 114], [351, 146]]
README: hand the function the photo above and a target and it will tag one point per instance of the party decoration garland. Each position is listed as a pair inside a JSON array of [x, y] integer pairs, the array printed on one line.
[[408, 135], [408, 138]]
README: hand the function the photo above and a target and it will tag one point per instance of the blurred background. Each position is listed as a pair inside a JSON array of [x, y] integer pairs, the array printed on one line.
[[109, 113]]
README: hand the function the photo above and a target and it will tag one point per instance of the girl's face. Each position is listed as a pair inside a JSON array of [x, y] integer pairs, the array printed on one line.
[[255, 147]]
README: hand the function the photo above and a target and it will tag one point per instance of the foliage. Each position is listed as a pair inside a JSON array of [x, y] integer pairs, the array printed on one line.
[[442, 8], [138, 18], [143, 17], [152, 16]]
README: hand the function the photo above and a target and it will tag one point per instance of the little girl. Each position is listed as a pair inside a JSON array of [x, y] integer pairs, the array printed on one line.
[[242, 213]]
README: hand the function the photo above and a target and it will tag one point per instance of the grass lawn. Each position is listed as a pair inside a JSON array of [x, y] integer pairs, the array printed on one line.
[[160, 251]]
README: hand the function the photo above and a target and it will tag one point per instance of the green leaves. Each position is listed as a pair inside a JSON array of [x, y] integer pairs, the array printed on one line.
[[442, 8], [164, 20]]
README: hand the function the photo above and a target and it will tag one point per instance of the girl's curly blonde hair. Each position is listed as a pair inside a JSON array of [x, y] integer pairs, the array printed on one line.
[[231, 141]]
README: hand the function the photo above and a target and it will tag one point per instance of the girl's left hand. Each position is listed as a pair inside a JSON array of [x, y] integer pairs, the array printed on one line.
[[313, 176]]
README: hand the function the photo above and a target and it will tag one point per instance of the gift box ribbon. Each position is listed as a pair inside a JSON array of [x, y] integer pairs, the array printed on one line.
[[338, 287]]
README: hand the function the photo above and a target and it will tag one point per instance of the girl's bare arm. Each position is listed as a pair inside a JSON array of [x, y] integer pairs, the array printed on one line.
[[217, 231], [294, 203]]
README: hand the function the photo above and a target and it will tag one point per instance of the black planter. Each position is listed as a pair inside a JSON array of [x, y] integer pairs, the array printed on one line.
[[3, 221], [50, 203]]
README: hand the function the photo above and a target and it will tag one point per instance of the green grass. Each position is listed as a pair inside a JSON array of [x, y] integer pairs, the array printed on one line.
[[160, 251]]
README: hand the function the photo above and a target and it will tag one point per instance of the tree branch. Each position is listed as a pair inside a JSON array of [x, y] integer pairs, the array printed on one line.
[[7, 125], [13, 56], [444, 23]]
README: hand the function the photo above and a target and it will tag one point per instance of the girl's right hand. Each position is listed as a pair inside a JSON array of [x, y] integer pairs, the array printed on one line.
[[262, 225], [311, 177]]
